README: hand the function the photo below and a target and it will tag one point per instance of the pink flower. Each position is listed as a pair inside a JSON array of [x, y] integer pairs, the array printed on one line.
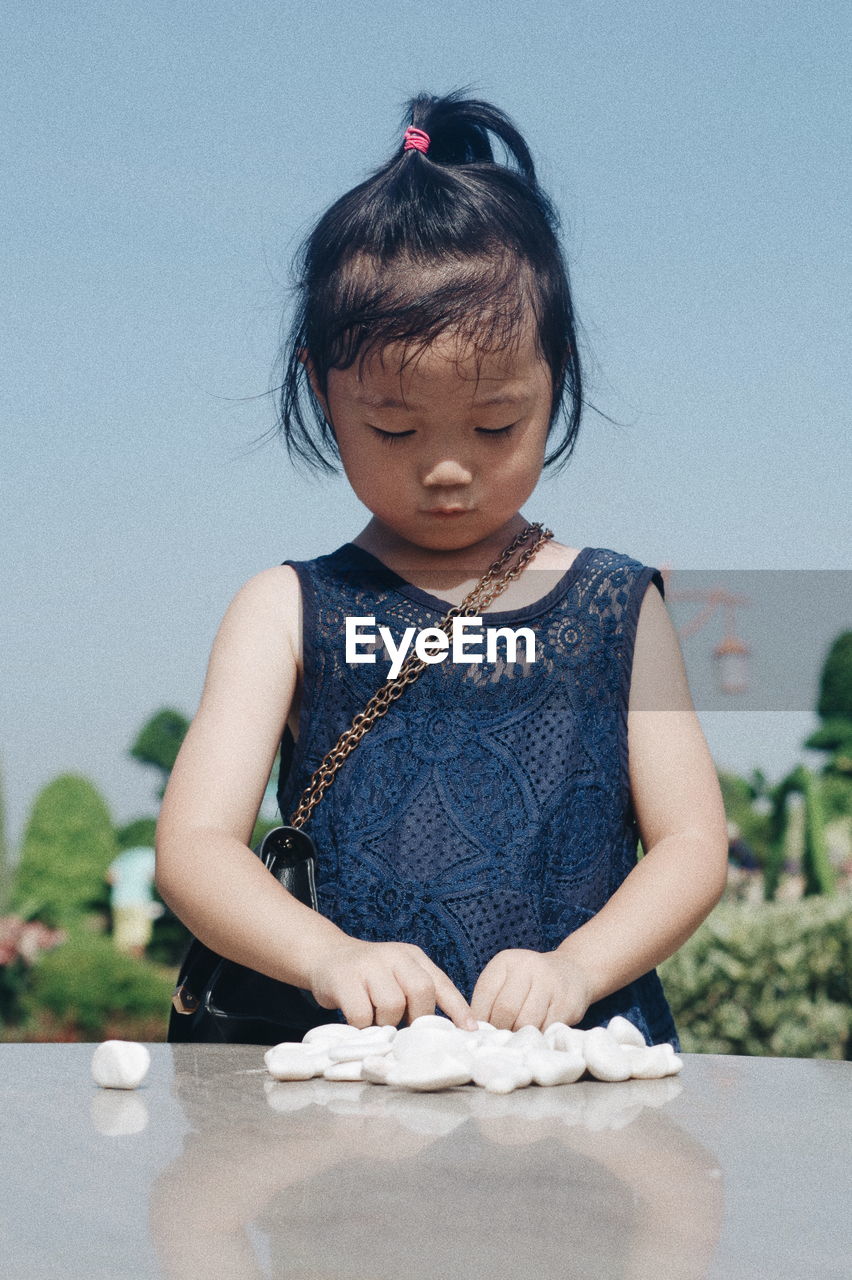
[[25, 939]]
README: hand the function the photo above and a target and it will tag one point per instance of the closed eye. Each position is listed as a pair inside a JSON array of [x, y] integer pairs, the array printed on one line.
[[501, 431], [391, 436]]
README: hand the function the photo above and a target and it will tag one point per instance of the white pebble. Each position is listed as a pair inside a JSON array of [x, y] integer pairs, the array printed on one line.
[[337, 1032], [344, 1071], [434, 1020], [625, 1032], [413, 1041], [552, 1066], [294, 1061], [501, 1073], [653, 1062], [509, 1051], [499, 1036], [377, 1068], [431, 1071], [565, 1038], [120, 1064], [353, 1050], [383, 1032], [605, 1057], [528, 1038]]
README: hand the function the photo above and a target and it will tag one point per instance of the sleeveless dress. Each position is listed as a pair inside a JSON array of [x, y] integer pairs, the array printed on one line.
[[490, 807]]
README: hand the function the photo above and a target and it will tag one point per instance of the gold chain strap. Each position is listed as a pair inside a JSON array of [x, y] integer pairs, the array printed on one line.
[[487, 589]]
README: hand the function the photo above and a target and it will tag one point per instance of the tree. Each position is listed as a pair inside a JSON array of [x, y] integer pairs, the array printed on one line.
[[159, 742], [739, 796], [141, 831], [67, 847], [835, 709], [826, 795], [5, 871]]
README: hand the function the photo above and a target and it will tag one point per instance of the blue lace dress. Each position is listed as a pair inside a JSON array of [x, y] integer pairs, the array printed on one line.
[[490, 807]]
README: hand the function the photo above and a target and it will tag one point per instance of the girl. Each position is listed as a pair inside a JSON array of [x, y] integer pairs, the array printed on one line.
[[477, 852]]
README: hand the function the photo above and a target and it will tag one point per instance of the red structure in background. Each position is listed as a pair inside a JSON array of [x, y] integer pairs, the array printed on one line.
[[732, 653]]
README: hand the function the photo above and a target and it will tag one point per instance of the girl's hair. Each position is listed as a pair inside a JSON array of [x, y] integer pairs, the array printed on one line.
[[447, 241]]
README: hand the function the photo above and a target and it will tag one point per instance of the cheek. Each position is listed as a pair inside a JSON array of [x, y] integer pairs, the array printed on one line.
[[369, 471]]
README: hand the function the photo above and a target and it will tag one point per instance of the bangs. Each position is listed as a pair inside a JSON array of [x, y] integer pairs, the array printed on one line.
[[486, 304]]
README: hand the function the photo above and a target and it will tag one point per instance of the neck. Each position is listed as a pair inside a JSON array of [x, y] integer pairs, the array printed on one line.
[[452, 566]]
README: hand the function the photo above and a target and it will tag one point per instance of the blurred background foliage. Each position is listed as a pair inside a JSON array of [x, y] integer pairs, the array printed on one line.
[[61, 977], [766, 978], [768, 973]]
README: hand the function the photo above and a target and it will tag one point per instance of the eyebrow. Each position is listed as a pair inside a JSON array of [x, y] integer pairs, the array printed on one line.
[[391, 402]]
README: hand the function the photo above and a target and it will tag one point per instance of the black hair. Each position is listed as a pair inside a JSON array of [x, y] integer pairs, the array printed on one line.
[[450, 240]]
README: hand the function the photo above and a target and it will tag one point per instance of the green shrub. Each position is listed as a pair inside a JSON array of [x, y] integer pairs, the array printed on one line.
[[86, 985], [169, 938], [141, 831], [68, 845], [21, 944], [769, 978]]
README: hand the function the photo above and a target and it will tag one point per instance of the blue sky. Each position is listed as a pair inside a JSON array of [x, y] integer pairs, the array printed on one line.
[[163, 161]]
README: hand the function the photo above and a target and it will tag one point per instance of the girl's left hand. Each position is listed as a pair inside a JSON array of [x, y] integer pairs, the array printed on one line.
[[520, 988]]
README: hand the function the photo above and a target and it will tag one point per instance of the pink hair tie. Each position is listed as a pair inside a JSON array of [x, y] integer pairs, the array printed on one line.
[[416, 140]]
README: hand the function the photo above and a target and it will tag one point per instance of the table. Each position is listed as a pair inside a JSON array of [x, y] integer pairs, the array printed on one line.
[[739, 1167]]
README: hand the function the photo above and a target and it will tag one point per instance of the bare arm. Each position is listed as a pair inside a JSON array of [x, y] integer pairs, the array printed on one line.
[[207, 872], [675, 885], [681, 820]]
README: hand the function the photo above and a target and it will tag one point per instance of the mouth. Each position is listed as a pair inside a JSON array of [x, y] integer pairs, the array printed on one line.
[[448, 511]]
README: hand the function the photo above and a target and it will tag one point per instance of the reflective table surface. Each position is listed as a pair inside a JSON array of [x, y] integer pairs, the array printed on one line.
[[737, 1167]]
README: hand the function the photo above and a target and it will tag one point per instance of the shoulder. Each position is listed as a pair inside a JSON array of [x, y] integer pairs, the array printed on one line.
[[268, 605], [556, 555], [624, 578], [275, 591], [659, 681], [275, 588]]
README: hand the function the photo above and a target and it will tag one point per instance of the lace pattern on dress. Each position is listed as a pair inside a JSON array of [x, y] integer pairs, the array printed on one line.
[[490, 807]]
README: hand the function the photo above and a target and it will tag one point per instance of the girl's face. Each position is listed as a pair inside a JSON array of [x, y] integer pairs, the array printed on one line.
[[444, 459]]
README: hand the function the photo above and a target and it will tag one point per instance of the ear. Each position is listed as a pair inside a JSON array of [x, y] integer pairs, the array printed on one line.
[[305, 358]]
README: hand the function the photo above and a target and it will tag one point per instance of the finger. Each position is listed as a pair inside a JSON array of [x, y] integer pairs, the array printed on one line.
[[553, 1013], [534, 1009], [450, 999], [356, 1006], [510, 999], [571, 1009], [418, 984], [388, 998], [489, 986]]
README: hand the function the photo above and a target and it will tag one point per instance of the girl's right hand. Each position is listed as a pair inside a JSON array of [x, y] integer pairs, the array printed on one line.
[[382, 982]]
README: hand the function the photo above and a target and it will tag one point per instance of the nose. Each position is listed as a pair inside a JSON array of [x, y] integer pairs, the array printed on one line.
[[446, 473]]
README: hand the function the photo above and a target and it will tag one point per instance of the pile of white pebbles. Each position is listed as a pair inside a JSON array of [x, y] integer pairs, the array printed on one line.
[[434, 1054]]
